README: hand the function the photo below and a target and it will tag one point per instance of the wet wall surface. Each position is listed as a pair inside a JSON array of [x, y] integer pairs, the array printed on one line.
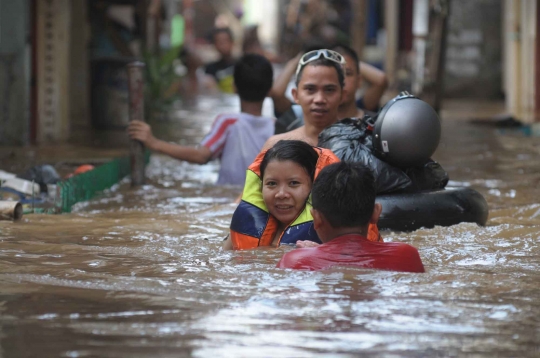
[[141, 273]]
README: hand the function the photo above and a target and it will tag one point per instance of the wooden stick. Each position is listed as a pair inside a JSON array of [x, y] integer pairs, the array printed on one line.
[[136, 112]]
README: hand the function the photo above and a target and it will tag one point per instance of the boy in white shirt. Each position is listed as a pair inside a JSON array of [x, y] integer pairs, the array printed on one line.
[[235, 138]]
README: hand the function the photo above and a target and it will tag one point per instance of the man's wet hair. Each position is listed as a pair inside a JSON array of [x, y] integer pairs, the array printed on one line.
[[221, 30], [253, 77], [345, 193], [296, 151], [324, 62], [348, 51]]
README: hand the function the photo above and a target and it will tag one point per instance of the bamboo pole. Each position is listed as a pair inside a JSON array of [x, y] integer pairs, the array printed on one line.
[[391, 19], [432, 92], [514, 59], [358, 26], [189, 18], [420, 37], [136, 112]]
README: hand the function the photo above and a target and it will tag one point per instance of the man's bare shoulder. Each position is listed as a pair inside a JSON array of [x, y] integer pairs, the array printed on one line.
[[297, 134]]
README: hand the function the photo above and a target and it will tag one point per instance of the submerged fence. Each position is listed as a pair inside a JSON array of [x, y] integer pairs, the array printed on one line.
[[85, 186]]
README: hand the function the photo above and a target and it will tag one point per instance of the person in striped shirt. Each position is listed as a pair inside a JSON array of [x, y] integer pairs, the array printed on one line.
[[235, 138]]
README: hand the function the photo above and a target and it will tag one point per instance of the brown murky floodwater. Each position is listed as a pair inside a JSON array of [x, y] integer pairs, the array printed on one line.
[[141, 273]]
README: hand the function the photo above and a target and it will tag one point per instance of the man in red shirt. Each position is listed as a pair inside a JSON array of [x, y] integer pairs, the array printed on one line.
[[343, 198]]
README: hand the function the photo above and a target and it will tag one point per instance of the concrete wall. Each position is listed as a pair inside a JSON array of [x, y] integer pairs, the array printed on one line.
[[473, 57], [14, 72], [79, 66], [53, 37]]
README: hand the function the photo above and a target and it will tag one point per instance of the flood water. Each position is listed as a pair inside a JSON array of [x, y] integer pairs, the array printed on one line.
[[141, 273]]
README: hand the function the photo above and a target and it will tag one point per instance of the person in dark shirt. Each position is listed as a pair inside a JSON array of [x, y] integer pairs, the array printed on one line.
[[356, 72], [343, 199], [222, 70]]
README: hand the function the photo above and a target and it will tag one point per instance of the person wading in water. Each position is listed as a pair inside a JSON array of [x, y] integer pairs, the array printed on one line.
[[319, 82]]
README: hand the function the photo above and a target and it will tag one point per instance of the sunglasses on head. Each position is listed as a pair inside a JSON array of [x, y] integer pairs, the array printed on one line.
[[317, 54]]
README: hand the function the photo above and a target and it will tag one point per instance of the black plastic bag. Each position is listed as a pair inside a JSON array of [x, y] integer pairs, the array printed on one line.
[[430, 176], [350, 140]]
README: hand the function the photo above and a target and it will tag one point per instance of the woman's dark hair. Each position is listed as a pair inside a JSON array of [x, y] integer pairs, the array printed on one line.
[[296, 151], [345, 193]]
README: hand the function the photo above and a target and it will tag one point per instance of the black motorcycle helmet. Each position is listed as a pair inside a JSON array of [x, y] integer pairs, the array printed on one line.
[[406, 132]]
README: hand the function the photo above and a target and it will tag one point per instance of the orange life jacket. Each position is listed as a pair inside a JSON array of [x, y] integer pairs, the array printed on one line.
[[252, 225]]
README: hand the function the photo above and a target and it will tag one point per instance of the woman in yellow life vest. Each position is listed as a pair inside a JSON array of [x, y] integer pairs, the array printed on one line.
[[275, 207]]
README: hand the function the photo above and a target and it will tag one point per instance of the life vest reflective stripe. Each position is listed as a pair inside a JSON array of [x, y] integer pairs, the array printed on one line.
[[253, 226]]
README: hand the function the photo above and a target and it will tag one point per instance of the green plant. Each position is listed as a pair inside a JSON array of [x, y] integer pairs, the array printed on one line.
[[160, 76]]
